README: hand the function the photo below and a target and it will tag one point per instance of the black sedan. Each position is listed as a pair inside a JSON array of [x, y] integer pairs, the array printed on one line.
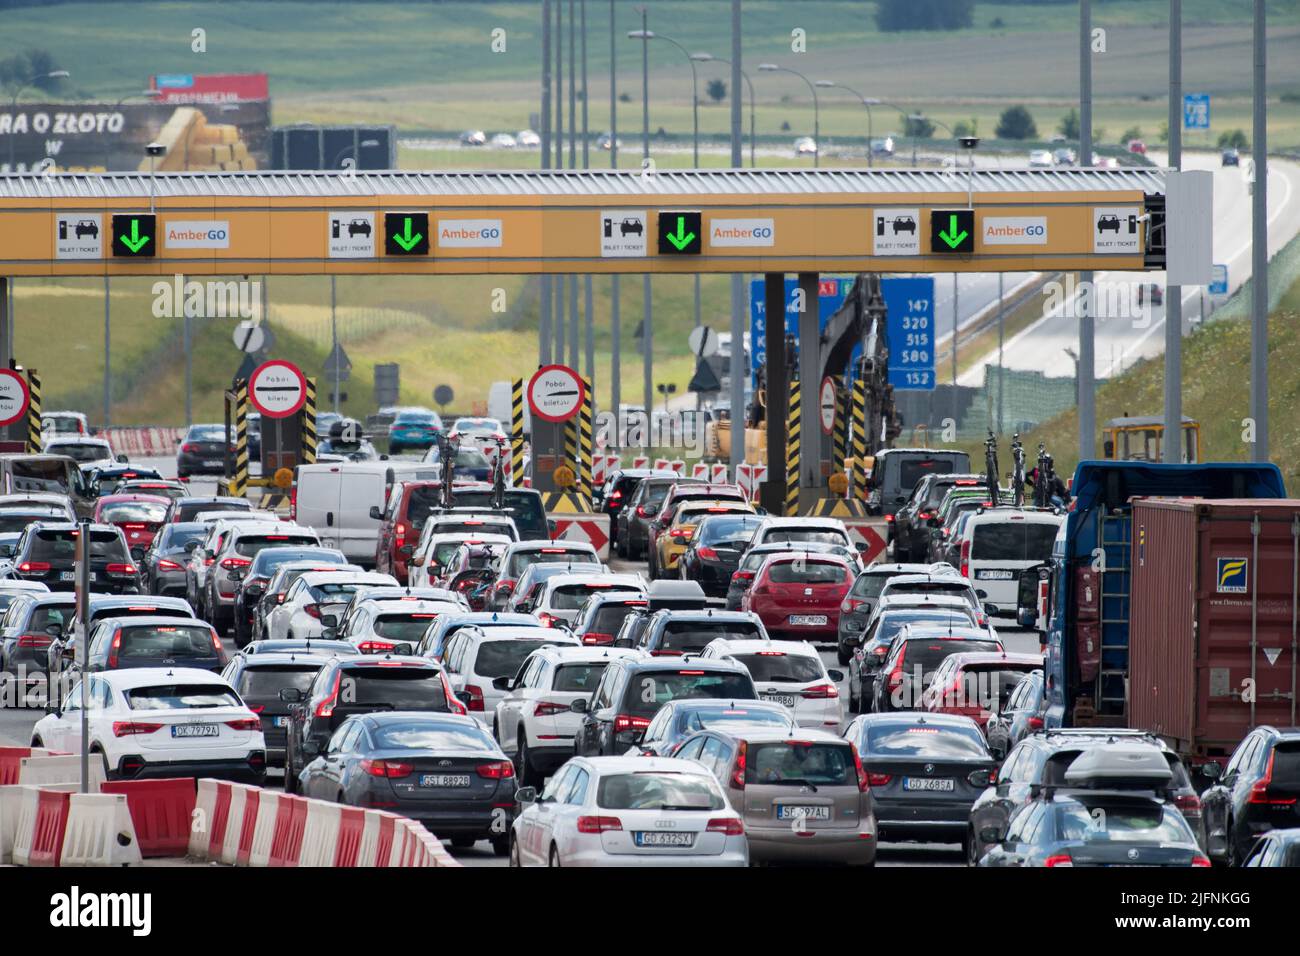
[[925, 772], [443, 770], [259, 678], [715, 551], [203, 450]]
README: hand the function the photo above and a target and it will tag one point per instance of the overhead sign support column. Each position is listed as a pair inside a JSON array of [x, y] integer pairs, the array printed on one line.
[[814, 448], [775, 388]]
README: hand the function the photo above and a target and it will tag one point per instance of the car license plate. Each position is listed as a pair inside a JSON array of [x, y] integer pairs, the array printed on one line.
[[68, 576], [195, 730], [936, 784], [655, 838], [990, 575], [787, 700], [444, 780], [794, 811], [807, 620], [280, 722], [212, 463]]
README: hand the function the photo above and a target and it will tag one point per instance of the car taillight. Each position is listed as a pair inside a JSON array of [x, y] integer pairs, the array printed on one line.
[[399, 533], [231, 563], [740, 577], [549, 708], [312, 610], [1259, 790], [453, 703], [681, 534], [1188, 803], [114, 648], [216, 645], [598, 824], [500, 770], [375, 647], [878, 779], [728, 826], [1200, 860], [326, 707], [1059, 859], [35, 640], [126, 728], [475, 701], [256, 708], [820, 692], [707, 553], [597, 637], [293, 503], [642, 512], [246, 723], [738, 768], [863, 784], [209, 561], [34, 567], [188, 448], [625, 722], [1034, 723], [851, 604], [167, 564], [965, 558], [889, 519], [386, 768], [547, 620]]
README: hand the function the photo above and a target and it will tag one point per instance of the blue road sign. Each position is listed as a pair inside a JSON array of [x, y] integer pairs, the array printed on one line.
[[910, 326], [830, 296], [1219, 279], [1196, 111]]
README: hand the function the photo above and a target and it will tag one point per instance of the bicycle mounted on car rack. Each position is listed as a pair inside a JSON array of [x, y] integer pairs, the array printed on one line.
[[1017, 472], [499, 476], [991, 466]]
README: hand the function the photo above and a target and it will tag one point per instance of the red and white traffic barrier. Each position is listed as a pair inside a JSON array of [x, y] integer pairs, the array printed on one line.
[[601, 467], [99, 832], [161, 812], [749, 477], [591, 527], [11, 759], [144, 442]]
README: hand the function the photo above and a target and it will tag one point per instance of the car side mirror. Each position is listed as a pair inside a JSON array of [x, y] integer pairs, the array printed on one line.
[[291, 695], [122, 460], [1211, 771], [418, 560], [992, 834], [835, 675], [1026, 617], [578, 706], [991, 610], [404, 649], [981, 593], [550, 526], [330, 621], [623, 642], [191, 546], [376, 513], [501, 683], [526, 795]]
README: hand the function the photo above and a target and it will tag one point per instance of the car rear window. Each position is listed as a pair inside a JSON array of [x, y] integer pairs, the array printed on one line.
[[689, 636], [40, 475], [938, 490], [141, 512], [502, 658], [43, 615], [904, 740], [807, 572], [734, 531], [60, 546], [892, 623], [778, 666], [398, 688], [520, 561], [14, 522], [404, 627], [422, 735], [805, 536], [570, 597], [929, 653], [188, 510], [1286, 763], [271, 558], [138, 610], [704, 719], [333, 592], [609, 618], [578, 678], [649, 690], [156, 640], [257, 683], [658, 791], [955, 588], [79, 451], [1013, 541], [525, 507], [869, 585], [1125, 823], [471, 527], [250, 545], [800, 762], [180, 697], [990, 684]]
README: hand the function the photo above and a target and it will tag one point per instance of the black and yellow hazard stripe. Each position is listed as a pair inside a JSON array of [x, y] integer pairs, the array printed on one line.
[[792, 453], [585, 444], [859, 490], [840, 431], [35, 443], [238, 484], [517, 432], [307, 428]]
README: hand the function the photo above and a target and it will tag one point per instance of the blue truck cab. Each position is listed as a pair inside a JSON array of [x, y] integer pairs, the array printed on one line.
[[1086, 668]]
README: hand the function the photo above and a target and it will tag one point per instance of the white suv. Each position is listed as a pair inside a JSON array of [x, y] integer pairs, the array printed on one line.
[[426, 565], [160, 722], [563, 595], [377, 627], [315, 597], [998, 544], [476, 657], [798, 531], [533, 722], [790, 673]]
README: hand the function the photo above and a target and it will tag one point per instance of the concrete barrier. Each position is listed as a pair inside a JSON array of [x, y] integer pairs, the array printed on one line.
[[41, 770], [99, 832]]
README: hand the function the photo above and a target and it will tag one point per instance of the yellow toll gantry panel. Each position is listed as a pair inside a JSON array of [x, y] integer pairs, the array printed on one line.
[[514, 223]]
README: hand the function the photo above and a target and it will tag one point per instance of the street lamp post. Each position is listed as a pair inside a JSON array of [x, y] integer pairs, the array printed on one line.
[[710, 58], [817, 123], [868, 102], [13, 102]]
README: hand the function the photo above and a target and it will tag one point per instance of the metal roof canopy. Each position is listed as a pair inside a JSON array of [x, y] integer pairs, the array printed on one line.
[[550, 219]]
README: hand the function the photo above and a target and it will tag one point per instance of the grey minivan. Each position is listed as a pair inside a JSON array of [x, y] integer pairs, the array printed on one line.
[[896, 471]]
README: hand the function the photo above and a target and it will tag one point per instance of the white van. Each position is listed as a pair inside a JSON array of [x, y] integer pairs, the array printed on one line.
[[998, 544], [335, 500]]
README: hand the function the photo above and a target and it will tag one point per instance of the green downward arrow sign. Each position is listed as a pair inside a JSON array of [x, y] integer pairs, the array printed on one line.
[[406, 240], [135, 242], [951, 236], [682, 238]]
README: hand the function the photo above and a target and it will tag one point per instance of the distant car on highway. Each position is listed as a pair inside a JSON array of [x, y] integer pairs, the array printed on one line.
[[414, 428], [90, 454], [503, 141], [805, 146], [1230, 157], [606, 141], [1137, 146], [473, 137], [1041, 159], [883, 146], [528, 138], [1064, 156], [203, 450]]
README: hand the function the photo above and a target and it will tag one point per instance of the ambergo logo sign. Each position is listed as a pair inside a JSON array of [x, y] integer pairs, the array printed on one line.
[[200, 234]]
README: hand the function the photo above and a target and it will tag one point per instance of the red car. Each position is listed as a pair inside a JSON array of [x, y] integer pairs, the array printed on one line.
[[798, 594], [402, 518], [139, 516], [977, 684]]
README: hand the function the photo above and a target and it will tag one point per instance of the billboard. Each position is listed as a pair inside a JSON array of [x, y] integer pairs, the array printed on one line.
[[189, 88], [333, 147], [97, 137]]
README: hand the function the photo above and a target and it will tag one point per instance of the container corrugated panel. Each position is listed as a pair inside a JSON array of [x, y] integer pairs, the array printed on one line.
[[1200, 576]]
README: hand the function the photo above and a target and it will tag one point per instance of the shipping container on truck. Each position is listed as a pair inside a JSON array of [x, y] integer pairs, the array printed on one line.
[[1087, 664], [1214, 620]]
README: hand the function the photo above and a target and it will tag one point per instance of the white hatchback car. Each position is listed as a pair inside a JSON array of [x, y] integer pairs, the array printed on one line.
[[311, 599], [427, 564], [533, 722], [563, 596], [377, 627], [790, 673], [475, 658], [628, 811], [160, 722]]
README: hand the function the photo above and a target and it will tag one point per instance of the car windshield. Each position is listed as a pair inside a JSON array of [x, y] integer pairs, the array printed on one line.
[[705, 718], [180, 697], [570, 597], [690, 636], [432, 737], [134, 512], [501, 658], [260, 683], [780, 667], [658, 791], [1124, 823], [397, 688], [403, 627], [807, 572], [804, 535], [153, 640], [910, 740], [578, 678], [250, 545], [1013, 541], [647, 691], [59, 546], [80, 451], [800, 762], [520, 561]]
